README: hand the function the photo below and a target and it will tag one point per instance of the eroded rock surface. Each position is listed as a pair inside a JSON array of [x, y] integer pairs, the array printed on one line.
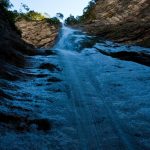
[[12, 49], [38, 33], [15, 61], [121, 20]]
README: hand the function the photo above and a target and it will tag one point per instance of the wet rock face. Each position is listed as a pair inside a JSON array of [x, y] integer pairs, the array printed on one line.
[[13, 52], [141, 58], [12, 49], [38, 33], [50, 67], [11, 44], [121, 20], [22, 124]]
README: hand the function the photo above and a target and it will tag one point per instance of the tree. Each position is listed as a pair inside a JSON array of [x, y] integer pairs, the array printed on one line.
[[60, 16], [87, 15], [71, 20], [47, 15], [32, 15], [25, 7], [5, 4], [53, 20], [87, 12]]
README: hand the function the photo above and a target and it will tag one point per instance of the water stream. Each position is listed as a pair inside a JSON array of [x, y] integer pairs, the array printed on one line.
[[78, 99]]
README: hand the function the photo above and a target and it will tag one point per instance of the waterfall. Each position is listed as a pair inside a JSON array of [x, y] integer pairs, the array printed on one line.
[[70, 39]]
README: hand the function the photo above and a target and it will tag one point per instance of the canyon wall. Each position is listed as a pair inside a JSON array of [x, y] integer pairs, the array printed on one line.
[[12, 49], [121, 20], [38, 33]]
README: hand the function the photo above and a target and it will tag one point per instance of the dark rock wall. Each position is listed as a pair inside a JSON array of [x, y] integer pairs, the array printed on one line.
[[12, 49], [17, 111]]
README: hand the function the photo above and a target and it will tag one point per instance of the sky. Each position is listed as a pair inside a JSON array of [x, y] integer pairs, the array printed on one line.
[[66, 7]]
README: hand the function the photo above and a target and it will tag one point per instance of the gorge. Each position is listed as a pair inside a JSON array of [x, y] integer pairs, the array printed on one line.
[[77, 87]]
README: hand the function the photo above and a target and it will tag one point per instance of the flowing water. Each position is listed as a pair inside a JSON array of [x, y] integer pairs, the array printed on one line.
[[87, 100]]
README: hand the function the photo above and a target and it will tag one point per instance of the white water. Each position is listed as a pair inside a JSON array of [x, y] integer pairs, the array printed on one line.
[[71, 39], [102, 103]]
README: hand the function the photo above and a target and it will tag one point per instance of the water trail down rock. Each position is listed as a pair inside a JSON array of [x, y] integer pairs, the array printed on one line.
[[74, 40], [77, 97], [101, 88]]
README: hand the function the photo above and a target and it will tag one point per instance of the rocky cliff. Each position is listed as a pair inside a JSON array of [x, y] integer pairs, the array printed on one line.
[[121, 20], [12, 49], [38, 33], [17, 58]]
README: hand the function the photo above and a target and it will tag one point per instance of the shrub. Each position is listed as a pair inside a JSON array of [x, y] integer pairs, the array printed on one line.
[[71, 20], [5, 4], [32, 15], [13, 16], [87, 15], [35, 16], [53, 20]]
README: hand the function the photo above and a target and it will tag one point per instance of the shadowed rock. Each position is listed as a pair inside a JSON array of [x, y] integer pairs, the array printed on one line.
[[54, 79], [138, 57], [50, 67], [42, 124], [4, 95], [13, 49], [21, 123]]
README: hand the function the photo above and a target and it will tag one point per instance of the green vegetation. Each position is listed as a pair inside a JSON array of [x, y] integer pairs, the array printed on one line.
[[59, 16], [10, 16], [34, 16], [29, 15], [5, 4], [87, 12], [87, 15], [53, 20], [71, 20]]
